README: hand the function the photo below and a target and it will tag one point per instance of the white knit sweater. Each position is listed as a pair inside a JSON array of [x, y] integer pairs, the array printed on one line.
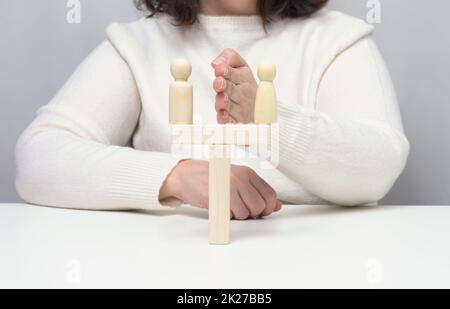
[[103, 142]]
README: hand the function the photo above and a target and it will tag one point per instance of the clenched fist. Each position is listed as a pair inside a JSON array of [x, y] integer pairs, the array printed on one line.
[[251, 196]]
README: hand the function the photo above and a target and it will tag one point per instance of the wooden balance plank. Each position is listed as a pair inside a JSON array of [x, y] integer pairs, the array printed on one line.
[[238, 135]]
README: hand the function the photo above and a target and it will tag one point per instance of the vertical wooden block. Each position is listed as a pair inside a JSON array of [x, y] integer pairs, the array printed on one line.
[[219, 195]]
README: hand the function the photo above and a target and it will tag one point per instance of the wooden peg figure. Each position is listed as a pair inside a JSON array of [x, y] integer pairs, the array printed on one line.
[[181, 93], [266, 99]]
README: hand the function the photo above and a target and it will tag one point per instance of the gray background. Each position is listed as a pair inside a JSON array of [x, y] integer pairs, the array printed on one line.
[[40, 50]]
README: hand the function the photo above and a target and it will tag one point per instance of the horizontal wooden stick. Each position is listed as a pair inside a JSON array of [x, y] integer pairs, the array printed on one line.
[[238, 135]]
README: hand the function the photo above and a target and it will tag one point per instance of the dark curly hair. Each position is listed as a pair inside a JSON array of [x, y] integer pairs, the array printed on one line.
[[185, 11]]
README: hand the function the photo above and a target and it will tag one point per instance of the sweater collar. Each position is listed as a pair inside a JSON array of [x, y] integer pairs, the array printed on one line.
[[251, 23]]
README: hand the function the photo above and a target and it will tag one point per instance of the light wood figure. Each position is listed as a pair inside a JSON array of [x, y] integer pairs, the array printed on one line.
[[266, 99], [181, 93]]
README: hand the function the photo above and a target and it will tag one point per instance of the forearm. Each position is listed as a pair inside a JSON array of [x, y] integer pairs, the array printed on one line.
[[73, 155], [348, 146], [343, 162], [56, 168]]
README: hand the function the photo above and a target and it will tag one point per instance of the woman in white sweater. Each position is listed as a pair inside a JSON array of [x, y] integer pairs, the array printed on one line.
[[104, 143]]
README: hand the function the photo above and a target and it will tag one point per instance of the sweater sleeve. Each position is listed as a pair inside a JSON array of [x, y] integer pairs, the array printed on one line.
[[75, 154], [350, 148]]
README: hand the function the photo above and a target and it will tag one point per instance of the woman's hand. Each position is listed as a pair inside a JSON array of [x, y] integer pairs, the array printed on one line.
[[251, 196], [236, 88]]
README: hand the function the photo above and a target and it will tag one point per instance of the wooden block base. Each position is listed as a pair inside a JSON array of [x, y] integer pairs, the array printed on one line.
[[219, 195]]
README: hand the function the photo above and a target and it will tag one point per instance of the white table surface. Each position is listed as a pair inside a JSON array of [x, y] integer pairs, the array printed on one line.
[[300, 247]]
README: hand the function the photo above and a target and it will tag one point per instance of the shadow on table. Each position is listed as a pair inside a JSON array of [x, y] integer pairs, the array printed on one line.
[[292, 212], [187, 211], [242, 230], [288, 211], [324, 210]]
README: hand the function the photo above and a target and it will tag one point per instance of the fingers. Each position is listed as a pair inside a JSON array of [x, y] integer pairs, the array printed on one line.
[[279, 206], [231, 58], [222, 108], [224, 70], [223, 117], [221, 85], [237, 76], [222, 102], [253, 200], [267, 192], [251, 196], [238, 208], [225, 105]]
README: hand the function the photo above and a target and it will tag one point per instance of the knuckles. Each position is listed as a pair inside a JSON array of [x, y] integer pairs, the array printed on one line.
[[217, 84], [241, 214], [220, 102], [244, 169], [271, 193], [239, 172], [258, 210], [222, 70]]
